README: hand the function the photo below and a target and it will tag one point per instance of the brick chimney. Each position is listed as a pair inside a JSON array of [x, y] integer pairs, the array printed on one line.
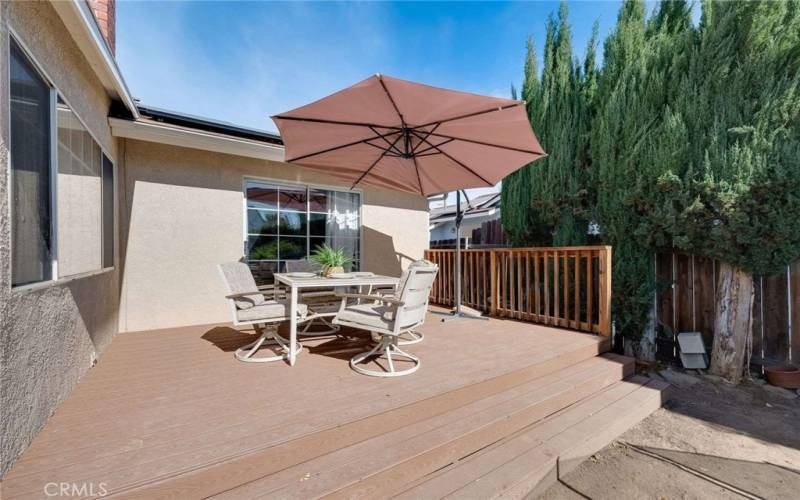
[[105, 13]]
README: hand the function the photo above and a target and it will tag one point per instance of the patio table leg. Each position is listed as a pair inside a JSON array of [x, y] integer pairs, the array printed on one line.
[[292, 326]]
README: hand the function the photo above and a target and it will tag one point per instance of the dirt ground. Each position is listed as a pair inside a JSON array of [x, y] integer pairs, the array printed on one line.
[[711, 440]]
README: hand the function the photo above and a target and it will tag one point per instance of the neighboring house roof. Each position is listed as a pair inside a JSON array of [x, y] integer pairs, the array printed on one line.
[[485, 204]]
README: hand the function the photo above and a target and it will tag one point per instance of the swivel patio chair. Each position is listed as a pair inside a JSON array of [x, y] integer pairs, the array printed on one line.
[[324, 303], [411, 336], [389, 317], [250, 307]]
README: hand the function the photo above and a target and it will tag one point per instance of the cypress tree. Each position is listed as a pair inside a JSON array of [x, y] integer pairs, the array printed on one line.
[[735, 193], [546, 203], [687, 138]]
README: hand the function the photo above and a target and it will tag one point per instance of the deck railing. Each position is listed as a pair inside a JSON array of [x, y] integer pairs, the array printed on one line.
[[568, 287]]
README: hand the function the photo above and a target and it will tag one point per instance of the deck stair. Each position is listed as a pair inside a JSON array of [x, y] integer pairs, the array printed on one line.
[[509, 435]]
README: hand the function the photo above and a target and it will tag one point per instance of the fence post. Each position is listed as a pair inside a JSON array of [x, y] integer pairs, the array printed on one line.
[[493, 279], [604, 314]]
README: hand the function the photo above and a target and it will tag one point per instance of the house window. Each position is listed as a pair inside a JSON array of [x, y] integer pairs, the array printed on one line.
[[287, 222], [31, 215], [62, 184]]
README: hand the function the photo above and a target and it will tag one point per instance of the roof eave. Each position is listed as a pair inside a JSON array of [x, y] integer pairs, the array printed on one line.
[[195, 139], [79, 20]]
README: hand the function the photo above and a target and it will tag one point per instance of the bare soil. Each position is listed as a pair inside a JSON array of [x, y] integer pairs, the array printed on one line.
[[711, 440]]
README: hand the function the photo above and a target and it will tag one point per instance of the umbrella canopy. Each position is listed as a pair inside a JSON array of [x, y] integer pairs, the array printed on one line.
[[410, 137]]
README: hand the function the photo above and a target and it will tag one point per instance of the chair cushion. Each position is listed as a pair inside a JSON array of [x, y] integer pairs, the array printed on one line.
[[367, 315], [240, 280], [270, 310]]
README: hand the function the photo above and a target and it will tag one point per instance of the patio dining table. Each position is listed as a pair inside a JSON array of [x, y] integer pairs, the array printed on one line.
[[296, 283]]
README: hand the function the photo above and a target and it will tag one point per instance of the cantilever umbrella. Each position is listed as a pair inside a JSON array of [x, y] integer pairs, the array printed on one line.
[[410, 137]]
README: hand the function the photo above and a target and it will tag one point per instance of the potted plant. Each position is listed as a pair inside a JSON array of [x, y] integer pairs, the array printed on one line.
[[332, 260]]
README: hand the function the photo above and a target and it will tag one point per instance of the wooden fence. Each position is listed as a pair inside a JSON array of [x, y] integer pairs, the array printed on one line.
[[568, 287], [686, 302]]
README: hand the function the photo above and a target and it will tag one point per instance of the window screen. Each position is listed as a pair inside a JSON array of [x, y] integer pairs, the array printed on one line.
[[31, 238]]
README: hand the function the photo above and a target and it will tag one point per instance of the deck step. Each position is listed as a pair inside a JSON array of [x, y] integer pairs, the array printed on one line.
[[293, 459], [528, 462], [380, 467]]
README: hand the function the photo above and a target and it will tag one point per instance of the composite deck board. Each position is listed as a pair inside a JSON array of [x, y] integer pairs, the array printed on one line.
[[164, 387], [526, 462], [455, 430], [491, 458], [536, 469], [163, 404], [218, 422], [253, 465]]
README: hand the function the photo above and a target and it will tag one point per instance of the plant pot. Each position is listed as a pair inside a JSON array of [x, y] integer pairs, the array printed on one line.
[[331, 270], [787, 377]]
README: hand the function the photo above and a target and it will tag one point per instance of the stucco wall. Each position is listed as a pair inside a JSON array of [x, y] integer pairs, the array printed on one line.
[[50, 336], [183, 209]]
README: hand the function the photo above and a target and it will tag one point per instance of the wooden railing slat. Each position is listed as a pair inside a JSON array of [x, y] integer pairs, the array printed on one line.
[[525, 283]]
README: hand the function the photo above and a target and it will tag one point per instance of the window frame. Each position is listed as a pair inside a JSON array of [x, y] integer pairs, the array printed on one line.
[[55, 92], [308, 186]]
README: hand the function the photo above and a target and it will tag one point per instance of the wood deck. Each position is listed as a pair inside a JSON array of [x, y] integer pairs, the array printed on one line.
[[171, 413]]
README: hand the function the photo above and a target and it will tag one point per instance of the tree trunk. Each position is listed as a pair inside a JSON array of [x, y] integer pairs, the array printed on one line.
[[644, 348], [733, 324]]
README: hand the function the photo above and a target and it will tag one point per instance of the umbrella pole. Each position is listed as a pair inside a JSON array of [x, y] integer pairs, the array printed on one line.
[[457, 313]]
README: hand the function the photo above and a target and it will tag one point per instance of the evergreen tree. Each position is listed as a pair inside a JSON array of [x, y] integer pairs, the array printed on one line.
[[546, 202], [687, 137], [734, 193]]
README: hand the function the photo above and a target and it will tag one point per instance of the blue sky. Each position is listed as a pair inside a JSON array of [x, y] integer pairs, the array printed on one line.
[[242, 62]]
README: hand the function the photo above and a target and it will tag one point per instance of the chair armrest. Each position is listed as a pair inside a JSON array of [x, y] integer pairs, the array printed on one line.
[[379, 298], [243, 294]]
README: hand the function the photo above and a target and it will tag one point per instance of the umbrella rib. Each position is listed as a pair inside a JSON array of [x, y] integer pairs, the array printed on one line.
[[469, 115], [428, 134], [342, 146], [456, 161], [422, 153], [375, 163], [391, 146], [391, 100], [336, 122], [444, 136], [419, 179]]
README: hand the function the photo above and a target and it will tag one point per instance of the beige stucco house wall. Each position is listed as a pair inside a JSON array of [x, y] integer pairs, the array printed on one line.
[[50, 335], [183, 213]]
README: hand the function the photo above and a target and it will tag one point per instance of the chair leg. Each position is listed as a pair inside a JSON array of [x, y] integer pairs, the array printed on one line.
[[410, 337], [269, 336], [386, 347], [406, 338], [329, 331]]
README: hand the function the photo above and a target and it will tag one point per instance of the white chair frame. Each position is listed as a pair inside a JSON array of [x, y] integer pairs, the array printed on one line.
[[406, 338], [268, 329], [389, 341]]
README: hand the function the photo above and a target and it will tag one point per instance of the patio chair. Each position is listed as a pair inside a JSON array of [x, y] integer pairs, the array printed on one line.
[[250, 307], [323, 302], [389, 317], [411, 336]]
